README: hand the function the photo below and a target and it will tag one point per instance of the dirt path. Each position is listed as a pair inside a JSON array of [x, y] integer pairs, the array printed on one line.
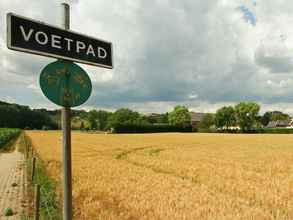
[[12, 183]]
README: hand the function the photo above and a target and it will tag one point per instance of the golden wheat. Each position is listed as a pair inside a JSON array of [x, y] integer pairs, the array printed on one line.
[[176, 176]]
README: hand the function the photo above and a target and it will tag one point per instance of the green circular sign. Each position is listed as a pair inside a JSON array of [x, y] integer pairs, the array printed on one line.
[[65, 83]]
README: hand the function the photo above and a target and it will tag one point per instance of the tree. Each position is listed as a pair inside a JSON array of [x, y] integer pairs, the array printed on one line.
[[93, 120], [157, 118], [98, 119], [164, 118], [17, 116], [277, 115], [180, 116], [102, 117], [266, 118], [125, 116], [207, 121], [225, 117], [273, 116], [82, 126], [246, 114]]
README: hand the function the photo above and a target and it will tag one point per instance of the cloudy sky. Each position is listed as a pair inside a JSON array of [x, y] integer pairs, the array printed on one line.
[[203, 53]]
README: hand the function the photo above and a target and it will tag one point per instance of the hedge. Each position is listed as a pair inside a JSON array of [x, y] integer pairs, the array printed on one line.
[[256, 131], [150, 128], [7, 135], [275, 131]]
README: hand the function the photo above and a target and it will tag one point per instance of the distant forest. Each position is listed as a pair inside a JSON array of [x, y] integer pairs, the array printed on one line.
[[19, 116], [243, 117], [121, 121]]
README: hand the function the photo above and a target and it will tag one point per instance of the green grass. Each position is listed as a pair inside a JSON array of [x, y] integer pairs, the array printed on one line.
[[8, 212], [49, 206], [155, 152], [22, 143], [25, 217], [256, 131], [6, 136]]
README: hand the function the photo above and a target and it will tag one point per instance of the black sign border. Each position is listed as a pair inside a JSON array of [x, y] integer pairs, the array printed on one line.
[[8, 40]]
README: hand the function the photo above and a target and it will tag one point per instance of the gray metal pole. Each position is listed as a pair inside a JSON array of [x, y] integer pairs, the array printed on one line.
[[66, 128], [37, 202]]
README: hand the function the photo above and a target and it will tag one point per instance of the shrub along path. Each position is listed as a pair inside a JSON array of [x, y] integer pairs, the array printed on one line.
[[12, 183]]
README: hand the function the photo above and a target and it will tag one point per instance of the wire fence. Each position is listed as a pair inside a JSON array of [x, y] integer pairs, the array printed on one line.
[[36, 175], [45, 204]]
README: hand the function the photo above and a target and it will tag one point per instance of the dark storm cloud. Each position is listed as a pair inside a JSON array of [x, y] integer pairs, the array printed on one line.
[[275, 63], [164, 52]]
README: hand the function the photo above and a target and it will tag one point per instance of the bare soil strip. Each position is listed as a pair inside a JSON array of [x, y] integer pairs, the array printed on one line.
[[12, 182]]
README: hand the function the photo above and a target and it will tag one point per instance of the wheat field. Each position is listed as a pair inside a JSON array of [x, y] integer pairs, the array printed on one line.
[[175, 176]]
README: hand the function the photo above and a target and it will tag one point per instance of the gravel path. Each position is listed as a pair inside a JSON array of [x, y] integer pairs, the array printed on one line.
[[12, 184]]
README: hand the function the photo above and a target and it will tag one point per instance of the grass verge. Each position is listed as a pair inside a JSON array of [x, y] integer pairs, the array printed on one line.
[[49, 206], [8, 139]]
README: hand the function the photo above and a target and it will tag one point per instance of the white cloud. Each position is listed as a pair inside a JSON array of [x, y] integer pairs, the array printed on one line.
[[201, 53]]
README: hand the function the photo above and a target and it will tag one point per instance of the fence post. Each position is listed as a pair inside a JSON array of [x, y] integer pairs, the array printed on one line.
[[32, 152], [37, 202], [33, 169], [26, 148]]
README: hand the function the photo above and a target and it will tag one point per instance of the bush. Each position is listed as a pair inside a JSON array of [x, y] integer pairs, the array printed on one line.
[[207, 130], [7, 135], [8, 212], [45, 128], [275, 131], [256, 131], [150, 128]]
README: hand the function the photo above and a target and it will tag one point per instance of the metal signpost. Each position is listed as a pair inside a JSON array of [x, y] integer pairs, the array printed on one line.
[[36, 37], [66, 127], [63, 82]]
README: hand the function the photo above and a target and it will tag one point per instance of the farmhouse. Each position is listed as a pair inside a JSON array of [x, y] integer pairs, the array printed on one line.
[[196, 118], [154, 116], [281, 124]]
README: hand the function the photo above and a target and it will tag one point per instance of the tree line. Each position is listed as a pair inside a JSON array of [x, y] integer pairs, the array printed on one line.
[[244, 115], [18, 116], [126, 120]]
